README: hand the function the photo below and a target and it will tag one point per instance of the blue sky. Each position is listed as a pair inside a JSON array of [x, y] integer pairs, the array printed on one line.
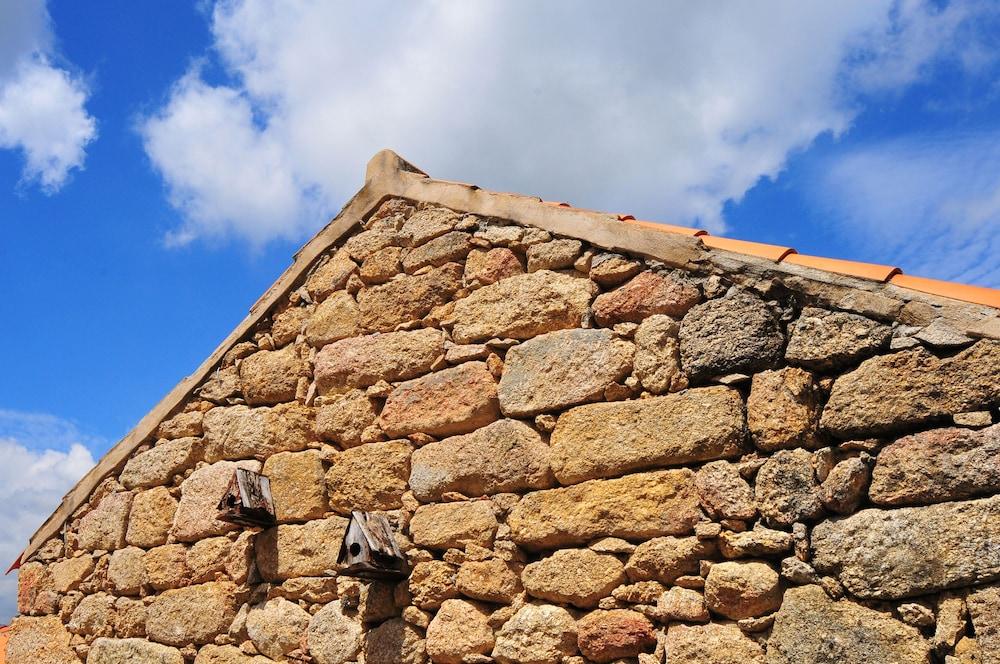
[[161, 161]]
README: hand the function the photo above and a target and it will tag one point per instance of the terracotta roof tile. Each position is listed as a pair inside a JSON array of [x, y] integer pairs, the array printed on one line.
[[852, 268], [977, 294], [770, 251]]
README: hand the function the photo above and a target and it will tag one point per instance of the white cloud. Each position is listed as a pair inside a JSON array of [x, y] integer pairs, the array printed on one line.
[[43, 457], [42, 113], [928, 204], [665, 110]]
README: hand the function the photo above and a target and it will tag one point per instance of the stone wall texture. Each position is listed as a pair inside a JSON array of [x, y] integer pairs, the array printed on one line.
[[586, 456]]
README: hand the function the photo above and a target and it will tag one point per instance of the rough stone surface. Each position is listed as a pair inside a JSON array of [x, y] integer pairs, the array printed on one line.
[[166, 566], [364, 361], [717, 643], [491, 580], [536, 634], [335, 318], [126, 571], [786, 488], [195, 614], [740, 590], [984, 611], [277, 627], [760, 541], [736, 334], [207, 557], [938, 465], [683, 604], [431, 583], [270, 377], [239, 432], [826, 340], [554, 255], [334, 637], [454, 525], [39, 641], [407, 298], [846, 486], [522, 307], [427, 224], [197, 513], [382, 266], [151, 518], [345, 419], [67, 575], [286, 326], [657, 362], [297, 485], [288, 551], [331, 276], [580, 577], [227, 655], [646, 294], [159, 465], [894, 392], [724, 493], [893, 554], [783, 410], [369, 478], [608, 439], [104, 527], [664, 559], [129, 651], [444, 403], [811, 627], [637, 506], [507, 455], [561, 369], [604, 636], [395, 642], [452, 246], [483, 268], [459, 629], [181, 425]]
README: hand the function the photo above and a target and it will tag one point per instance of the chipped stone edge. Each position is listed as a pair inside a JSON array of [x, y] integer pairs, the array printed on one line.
[[389, 176]]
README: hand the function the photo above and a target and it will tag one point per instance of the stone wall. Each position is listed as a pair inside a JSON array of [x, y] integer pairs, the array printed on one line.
[[587, 457]]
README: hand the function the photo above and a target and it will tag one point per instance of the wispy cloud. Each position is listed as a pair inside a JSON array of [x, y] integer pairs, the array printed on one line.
[[42, 105], [930, 204], [43, 457], [661, 109]]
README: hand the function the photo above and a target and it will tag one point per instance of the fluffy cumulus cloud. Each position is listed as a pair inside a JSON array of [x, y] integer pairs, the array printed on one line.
[[660, 109], [42, 105], [930, 204], [43, 457]]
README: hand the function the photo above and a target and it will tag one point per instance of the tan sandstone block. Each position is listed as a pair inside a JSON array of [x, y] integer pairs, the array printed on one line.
[[445, 403], [151, 518], [364, 361], [297, 485], [454, 525], [369, 477]]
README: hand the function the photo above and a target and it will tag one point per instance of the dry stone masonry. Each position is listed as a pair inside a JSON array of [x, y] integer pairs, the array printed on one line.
[[586, 457]]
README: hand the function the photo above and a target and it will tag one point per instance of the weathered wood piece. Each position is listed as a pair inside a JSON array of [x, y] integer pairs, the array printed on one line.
[[247, 500], [369, 549]]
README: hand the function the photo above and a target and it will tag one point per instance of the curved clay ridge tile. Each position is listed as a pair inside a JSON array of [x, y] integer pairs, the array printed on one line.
[[872, 271], [977, 294], [772, 252]]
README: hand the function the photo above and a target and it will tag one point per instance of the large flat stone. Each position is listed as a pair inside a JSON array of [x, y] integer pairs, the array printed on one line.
[[196, 614], [239, 432], [270, 377], [826, 340], [126, 651], [310, 549], [936, 466], [811, 628], [561, 369], [715, 643], [408, 298], [454, 525], [104, 527], [364, 361], [647, 294], [507, 455], [633, 507], [298, 488], [39, 641], [158, 465], [892, 554], [444, 403], [609, 439], [899, 391], [580, 577], [369, 477], [522, 307]]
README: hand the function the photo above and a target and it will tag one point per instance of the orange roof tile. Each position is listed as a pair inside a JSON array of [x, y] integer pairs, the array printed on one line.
[[977, 294], [770, 251], [852, 268]]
